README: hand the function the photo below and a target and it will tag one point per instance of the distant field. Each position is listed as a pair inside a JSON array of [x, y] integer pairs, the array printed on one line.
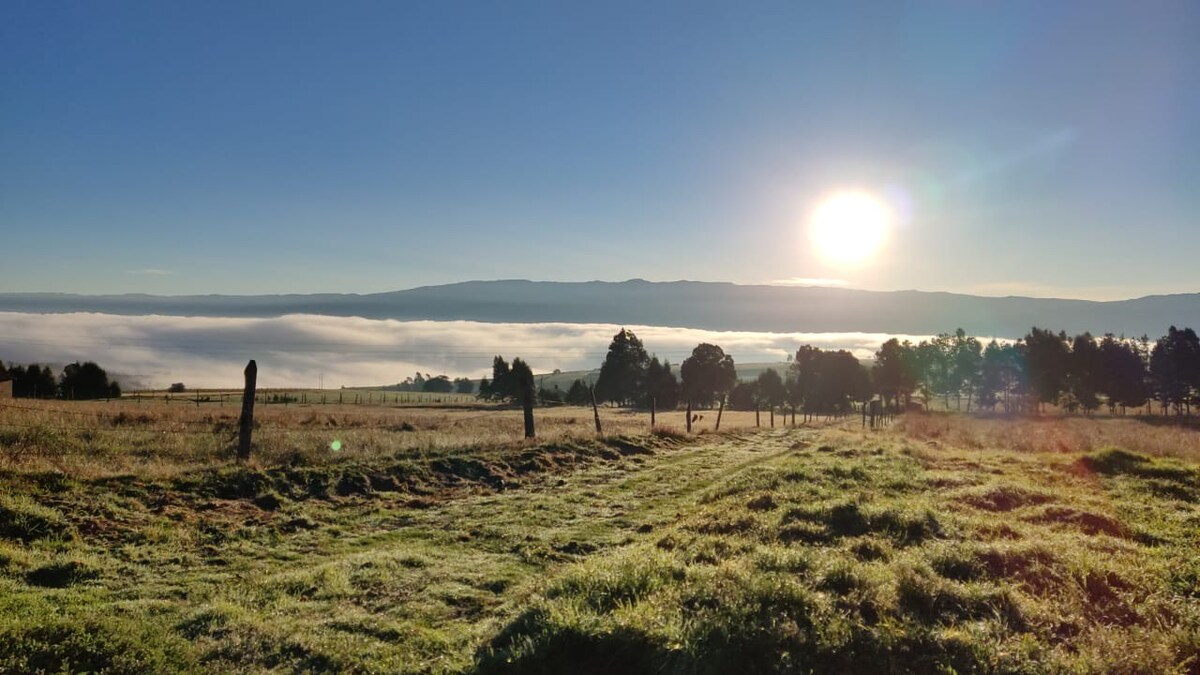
[[159, 435], [355, 396], [130, 544]]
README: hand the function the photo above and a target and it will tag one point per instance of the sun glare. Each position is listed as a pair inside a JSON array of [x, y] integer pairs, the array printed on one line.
[[849, 227]]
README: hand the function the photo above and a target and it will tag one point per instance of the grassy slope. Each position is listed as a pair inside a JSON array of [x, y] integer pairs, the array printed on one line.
[[783, 550], [860, 554]]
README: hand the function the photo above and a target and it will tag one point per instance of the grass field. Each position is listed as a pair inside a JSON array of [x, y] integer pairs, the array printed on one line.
[[941, 544]]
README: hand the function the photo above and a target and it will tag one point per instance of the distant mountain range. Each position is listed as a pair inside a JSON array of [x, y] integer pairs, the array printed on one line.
[[707, 305]]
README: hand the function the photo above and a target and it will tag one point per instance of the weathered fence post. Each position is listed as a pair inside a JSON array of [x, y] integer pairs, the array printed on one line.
[[653, 405], [595, 409], [720, 410], [689, 416], [246, 425], [773, 417], [527, 404], [756, 418]]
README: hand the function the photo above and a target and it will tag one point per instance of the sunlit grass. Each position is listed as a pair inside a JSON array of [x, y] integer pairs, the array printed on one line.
[[926, 546]]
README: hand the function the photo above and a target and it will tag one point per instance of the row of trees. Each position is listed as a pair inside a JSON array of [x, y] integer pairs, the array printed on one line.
[[508, 382], [437, 384], [817, 382], [1044, 367], [78, 381]]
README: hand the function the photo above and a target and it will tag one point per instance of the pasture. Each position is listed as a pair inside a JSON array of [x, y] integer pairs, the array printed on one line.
[[435, 542]]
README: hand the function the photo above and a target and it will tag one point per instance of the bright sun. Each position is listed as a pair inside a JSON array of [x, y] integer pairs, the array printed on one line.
[[849, 227]]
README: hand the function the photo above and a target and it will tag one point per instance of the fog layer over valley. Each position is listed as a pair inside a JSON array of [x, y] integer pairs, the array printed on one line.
[[712, 306], [303, 350]]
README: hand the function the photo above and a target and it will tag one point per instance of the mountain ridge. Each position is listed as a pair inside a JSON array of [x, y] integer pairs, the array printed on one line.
[[688, 304]]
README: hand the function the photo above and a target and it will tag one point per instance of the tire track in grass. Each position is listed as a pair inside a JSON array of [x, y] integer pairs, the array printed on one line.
[[444, 578]]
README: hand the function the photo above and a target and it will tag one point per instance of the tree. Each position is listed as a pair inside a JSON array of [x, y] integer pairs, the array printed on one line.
[[438, 385], [1175, 368], [1002, 376], [1046, 356], [503, 388], [177, 388], [463, 385], [708, 374], [661, 385], [84, 381], [894, 372], [1084, 372], [827, 382], [769, 389], [1123, 375], [624, 369], [32, 381], [967, 362], [743, 396], [578, 393], [485, 389], [935, 368], [521, 377]]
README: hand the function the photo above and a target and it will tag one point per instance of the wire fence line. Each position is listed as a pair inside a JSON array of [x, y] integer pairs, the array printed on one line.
[[232, 420]]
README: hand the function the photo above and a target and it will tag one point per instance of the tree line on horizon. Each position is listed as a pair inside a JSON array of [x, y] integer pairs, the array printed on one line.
[[77, 381], [435, 384], [1075, 373]]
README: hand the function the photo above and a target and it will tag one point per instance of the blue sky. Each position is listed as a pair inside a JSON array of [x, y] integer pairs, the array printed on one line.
[[1043, 148]]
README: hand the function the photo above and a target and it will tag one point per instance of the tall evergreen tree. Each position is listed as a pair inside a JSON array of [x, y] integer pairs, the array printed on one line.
[[1175, 368], [1123, 379], [661, 385], [1084, 372], [503, 388], [623, 372], [1046, 357]]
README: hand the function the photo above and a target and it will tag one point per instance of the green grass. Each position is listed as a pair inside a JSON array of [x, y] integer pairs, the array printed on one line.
[[873, 554], [779, 551]]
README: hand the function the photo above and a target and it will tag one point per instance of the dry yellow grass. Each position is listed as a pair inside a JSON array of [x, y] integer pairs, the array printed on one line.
[[1053, 433], [154, 438]]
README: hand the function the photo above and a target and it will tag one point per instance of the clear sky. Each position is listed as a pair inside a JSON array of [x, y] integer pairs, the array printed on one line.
[[1044, 148]]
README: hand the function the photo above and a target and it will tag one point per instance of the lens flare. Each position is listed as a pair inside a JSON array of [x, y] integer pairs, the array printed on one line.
[[336, 445]]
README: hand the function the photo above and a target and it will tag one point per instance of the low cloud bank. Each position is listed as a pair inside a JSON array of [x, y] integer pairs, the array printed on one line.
[[298, 350]]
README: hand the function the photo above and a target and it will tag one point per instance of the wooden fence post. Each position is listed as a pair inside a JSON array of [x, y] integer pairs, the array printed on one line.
[[773, 417], [653, 405], [756, 419], [689, 416], [527, 404], [246, 425], [595, 410], [719, 412]]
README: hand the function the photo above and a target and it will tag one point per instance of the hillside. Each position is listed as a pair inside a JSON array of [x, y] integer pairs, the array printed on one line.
[[713, 306]]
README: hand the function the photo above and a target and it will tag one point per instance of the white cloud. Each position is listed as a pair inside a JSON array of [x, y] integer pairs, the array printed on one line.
[[295, 350]]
